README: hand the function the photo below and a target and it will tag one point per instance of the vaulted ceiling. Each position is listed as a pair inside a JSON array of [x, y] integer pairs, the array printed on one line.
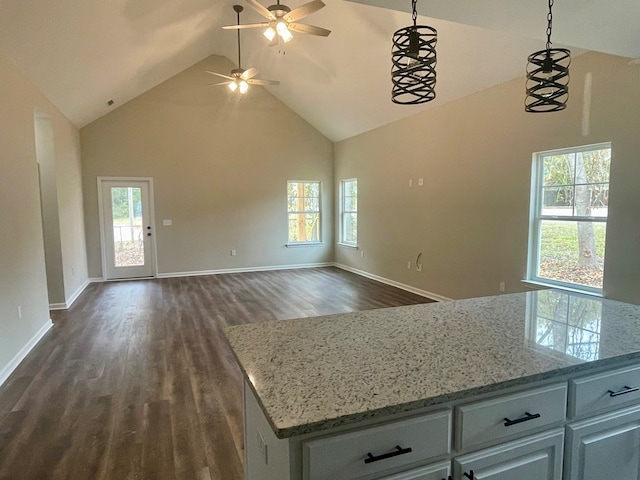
[[83, 53]]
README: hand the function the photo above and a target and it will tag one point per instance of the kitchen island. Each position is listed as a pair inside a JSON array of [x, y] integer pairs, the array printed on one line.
[[317, 387]]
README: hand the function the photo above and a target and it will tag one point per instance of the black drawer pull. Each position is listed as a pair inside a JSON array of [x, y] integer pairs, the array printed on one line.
[[398, 451], [624, 390], [470, 475], [528, 416]]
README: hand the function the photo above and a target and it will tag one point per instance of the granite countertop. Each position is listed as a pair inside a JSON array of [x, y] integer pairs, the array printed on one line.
[[312, 374]]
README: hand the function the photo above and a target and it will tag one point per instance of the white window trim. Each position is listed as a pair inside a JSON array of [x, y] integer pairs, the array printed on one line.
[[535, 218], [310, 243], [341, 241]]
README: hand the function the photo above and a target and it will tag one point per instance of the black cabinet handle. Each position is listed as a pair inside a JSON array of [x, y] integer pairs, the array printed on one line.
[[625, 389], [470, 475], [398, 451], [527, 416]]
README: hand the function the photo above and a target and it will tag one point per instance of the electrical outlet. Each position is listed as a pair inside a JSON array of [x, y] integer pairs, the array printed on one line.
[[411, 182], [502, 287], [420, 182], [233, 252], [361, 253], [408, 265], [19, 312]]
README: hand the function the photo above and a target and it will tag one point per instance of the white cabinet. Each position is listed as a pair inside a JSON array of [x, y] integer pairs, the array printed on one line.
[[607, 446], [537, 457], [369, 452], [510, 416], [518, 434], [608, 390]]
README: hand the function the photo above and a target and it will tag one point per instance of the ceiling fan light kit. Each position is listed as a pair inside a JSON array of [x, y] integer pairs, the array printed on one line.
[[240, 79], [548, 76], [413, 70], [281, 21]]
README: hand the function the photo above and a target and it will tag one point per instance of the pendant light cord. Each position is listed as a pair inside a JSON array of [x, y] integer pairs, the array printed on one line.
[[549, 24], [414, 13], [239, 66]]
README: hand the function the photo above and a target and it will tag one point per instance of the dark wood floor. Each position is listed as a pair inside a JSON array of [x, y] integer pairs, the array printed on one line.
[[135, 381]]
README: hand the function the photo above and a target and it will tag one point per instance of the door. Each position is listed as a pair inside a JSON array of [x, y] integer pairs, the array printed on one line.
[[126, 224], [538, 457], [607, 446]]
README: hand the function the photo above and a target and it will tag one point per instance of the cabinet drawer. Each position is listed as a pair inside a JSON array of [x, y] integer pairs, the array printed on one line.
[[510, 415], [343, 456], [437, 471], [604, 391]]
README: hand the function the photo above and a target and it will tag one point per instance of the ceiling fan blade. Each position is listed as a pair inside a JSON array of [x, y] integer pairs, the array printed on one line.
[[306, 9], [216, 84], [246, 25], [249, 73], [257, 81], [261, 9], [220, 75], [310, 29]]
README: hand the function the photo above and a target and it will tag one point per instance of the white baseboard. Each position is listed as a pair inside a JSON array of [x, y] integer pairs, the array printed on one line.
[[24, 351], [243, 270], [393, 283], [73, 297]]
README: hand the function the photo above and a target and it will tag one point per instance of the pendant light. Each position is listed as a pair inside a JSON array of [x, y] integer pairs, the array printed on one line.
[[548, 76], [413, 54]]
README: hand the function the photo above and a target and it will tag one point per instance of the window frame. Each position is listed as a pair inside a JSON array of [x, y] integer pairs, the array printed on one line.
[[536, 218], [291, 243], [344, 212]]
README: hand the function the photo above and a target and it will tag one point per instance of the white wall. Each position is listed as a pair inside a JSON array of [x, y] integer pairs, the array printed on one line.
[[220, 168], [22, 266], [470, 219]]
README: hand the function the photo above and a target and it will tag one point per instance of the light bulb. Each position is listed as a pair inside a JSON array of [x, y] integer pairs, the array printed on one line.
[[244, 86], [233, 86], [269, 33], [283, 30], [412, 62]]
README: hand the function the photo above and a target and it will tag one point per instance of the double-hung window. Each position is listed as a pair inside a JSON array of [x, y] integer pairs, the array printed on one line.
[[569, 207], [349, 212], [303, 207]]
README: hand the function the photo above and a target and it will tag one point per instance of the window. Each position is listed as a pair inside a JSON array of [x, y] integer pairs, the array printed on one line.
[[303, 205], [349, 212], [569, 207]]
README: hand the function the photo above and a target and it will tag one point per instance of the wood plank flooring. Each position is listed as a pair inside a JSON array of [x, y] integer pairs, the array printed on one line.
[[136, 382]]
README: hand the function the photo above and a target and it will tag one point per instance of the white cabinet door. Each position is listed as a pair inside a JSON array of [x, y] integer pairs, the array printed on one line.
[[538, 457], [607, 446]]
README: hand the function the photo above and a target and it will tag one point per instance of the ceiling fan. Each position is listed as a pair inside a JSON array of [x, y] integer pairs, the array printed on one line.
[[282, 21], [240, 79]]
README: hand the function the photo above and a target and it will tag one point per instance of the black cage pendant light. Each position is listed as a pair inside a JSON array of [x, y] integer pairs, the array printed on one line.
[[548, 76], [413, 72]]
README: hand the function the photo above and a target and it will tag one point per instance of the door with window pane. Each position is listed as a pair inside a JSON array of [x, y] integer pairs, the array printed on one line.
[[127, 230]]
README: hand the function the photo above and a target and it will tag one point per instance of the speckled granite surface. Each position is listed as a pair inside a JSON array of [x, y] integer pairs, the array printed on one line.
[[316, 373]]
